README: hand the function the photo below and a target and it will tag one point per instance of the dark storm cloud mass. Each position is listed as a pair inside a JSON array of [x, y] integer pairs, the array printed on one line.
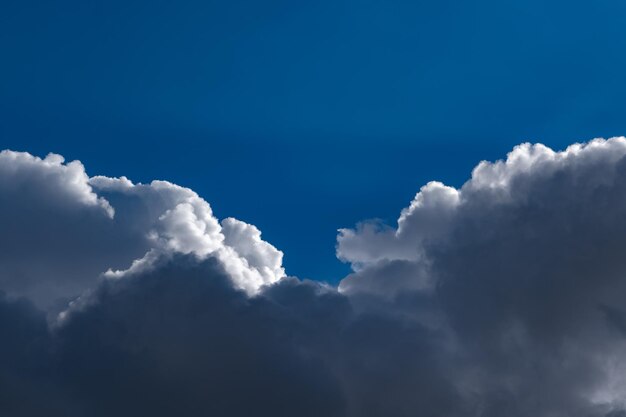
[[502, 298]]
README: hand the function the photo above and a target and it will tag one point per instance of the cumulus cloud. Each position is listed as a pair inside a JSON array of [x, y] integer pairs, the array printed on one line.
[[62, 229], [525, 263], [502, 297], [48, 179]]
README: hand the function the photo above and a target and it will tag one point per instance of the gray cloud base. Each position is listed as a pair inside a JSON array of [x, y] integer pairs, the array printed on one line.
[[503, 297]]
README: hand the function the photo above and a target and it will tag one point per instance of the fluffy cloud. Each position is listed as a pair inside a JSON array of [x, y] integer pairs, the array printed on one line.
[[63, 229], [502, 297], [525, 264], [174, 219]]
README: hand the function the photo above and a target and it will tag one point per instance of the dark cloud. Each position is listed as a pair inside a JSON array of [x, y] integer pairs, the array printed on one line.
[[179, 339], [502, 298], [525, 265]]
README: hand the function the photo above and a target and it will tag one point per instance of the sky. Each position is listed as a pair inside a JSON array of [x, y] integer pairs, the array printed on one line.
[[337, 209], [270, 110]]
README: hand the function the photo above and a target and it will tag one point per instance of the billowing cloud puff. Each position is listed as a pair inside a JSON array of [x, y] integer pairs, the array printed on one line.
[[60, 185], [427, 217], [525, 265], [61, 224], [504, 297], [533, 177], [176, 220]]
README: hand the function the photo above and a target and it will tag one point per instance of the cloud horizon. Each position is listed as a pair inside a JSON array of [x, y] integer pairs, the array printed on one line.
[[504, 296]]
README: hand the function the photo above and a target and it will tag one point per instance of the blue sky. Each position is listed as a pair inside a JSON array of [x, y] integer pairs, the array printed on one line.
[[303, 118]]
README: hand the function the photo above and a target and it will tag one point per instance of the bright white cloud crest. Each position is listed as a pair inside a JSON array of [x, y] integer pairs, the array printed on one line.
[[122, 218]]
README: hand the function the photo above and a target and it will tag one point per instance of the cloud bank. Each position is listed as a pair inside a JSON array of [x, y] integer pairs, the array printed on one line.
[[502, 297]]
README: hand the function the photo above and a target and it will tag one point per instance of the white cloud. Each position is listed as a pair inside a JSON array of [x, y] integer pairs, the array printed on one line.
[[427, 218], [259, 263], [72, 228], [56, 182]]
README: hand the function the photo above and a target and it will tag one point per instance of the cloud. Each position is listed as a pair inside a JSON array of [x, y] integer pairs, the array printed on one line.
[[62, 229], [502, 297], [525, 264], [48, 179], [427, 217], [175, 219], [178, 338]]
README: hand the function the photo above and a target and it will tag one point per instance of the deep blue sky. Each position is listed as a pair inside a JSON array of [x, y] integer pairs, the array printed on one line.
[[303, 117]]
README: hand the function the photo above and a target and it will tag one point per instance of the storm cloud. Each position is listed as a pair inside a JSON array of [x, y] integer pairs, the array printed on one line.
[[504, 297]]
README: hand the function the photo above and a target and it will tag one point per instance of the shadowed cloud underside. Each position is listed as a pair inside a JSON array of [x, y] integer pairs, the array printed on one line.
[[504, 296]]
